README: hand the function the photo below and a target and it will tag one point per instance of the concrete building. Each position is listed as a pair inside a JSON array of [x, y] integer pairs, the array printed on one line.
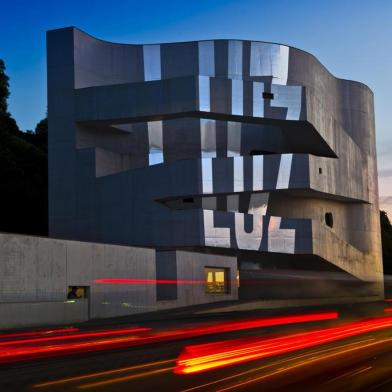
[[209, 156]]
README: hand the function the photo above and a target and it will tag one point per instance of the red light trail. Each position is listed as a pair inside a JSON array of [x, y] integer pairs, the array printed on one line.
[[38, 333], [21, 350], [200, 358], [75, 336], [147, 281]]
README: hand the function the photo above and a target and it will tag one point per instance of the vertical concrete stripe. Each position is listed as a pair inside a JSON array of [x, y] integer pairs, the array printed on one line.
[[204, 94], [207, 178], [238, 166], [152, 62], [233, 138], [235, 59], [206, 58], [208, 138], [237, 97], [284, 171], [258, 168], [155, 141], [258, 101]]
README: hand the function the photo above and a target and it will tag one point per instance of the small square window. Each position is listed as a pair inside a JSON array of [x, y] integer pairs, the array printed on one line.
[[216, 280], [320, 170], [77, 292], [267, 95]]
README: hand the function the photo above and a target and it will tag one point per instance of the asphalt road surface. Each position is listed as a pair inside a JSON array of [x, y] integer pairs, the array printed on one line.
[[259, 353]]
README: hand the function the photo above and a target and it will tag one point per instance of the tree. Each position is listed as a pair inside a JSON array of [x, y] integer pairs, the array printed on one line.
[[40, 135], [7, 123], [4, 89], [23, 172]]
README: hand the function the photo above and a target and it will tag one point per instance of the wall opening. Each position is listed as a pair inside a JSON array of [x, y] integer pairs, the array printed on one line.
[[329, 219], [217, 281], [77, 292]]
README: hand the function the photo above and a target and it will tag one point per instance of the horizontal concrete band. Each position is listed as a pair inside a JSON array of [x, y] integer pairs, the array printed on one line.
[[234, 175], [219, 176], [187, 94]]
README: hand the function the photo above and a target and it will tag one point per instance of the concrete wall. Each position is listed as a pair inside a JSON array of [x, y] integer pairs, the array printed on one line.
[[188, 265], [36, 272], [27, 314], [135, 130]]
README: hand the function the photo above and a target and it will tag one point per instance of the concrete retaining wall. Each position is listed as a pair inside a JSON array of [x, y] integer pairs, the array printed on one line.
[[35, 274], [25, 314]]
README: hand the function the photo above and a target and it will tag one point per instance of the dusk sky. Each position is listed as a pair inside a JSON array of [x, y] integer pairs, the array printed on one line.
[[352, 38]]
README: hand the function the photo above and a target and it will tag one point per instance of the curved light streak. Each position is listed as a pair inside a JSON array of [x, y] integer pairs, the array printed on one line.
[[201, 358]]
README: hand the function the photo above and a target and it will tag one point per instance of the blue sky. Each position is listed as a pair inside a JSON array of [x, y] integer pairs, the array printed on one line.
[[352, 38]]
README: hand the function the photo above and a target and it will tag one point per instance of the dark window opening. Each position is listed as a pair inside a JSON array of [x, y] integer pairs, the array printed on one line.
[[260, 152], [77, 292], [268, 95], [329, 219], [320, 170], [188, 200]]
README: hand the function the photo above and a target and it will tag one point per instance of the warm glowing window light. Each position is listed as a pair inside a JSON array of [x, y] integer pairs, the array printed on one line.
[[216, 281]]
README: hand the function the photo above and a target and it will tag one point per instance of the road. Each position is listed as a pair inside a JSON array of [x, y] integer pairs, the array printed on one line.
[[303, 350]]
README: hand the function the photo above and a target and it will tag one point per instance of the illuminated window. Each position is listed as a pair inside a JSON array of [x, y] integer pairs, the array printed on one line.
[[216, 280]]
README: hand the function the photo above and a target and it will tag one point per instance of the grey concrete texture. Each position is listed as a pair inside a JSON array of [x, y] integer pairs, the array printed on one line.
[[36, 273], [30, 314], [150, 144]]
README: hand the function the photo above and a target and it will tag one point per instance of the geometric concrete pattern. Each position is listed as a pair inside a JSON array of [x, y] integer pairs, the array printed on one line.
[[243, 148]]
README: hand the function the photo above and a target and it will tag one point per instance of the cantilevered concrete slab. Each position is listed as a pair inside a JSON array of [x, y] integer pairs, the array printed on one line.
[[234, 147]]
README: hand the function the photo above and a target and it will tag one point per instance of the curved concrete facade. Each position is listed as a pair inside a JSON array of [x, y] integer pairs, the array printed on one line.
[[244, 148]]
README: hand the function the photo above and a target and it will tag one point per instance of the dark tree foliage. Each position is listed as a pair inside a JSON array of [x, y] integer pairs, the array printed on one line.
[[4, 89], [386, 238], [23, 172], [7, 123], [40, 135]]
